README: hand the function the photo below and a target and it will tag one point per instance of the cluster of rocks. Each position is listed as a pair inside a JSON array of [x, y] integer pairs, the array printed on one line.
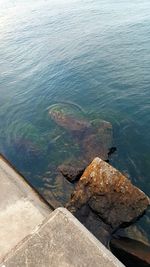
[[103, 199], [93, 138]]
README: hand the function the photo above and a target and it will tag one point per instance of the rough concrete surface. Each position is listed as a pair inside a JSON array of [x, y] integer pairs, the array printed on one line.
[[21, 208], [62, 241]]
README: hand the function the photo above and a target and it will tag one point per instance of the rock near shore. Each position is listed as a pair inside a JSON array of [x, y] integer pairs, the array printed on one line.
[[109, 194], [71, 172], [131, 252]]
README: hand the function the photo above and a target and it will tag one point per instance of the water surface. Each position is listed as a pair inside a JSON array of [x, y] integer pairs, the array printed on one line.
[[93, 53]]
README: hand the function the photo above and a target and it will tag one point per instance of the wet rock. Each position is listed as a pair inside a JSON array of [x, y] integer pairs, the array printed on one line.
[[133, 232], [109, 194], [131, 252], [94, 224], [72, 173]]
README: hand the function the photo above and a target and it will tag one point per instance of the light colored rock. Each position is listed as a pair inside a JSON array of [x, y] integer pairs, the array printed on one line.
[[109, 193]]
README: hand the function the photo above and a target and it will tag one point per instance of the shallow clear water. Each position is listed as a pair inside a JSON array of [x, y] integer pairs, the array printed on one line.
[[93, 53]]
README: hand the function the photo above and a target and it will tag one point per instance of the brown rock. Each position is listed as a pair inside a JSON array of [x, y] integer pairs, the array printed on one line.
[[94, 224], [133, 232], [72, 173], [131, 252], [109, 194]]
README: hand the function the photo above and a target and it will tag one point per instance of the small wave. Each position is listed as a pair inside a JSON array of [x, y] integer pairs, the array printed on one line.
[[67, 103]]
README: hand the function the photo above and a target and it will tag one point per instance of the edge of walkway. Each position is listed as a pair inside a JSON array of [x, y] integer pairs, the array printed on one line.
[[61, 241], [25, 182]]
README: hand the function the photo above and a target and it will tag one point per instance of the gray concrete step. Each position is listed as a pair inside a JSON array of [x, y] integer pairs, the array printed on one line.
[[21, 208], [61, 241]]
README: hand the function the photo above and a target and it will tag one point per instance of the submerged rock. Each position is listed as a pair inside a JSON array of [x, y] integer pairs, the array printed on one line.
[[94, 138], [97, 141], [109, 194], [131, 252], [56, 189], [68, 121], [27, 148]]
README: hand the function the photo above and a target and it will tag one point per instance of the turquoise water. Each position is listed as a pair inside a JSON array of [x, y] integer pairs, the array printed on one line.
[[92, 53]]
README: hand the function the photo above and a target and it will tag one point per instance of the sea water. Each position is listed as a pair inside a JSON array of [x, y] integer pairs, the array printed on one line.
[[91, 53]]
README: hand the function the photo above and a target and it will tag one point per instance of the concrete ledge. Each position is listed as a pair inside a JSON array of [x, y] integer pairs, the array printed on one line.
[[62, 241], [21, 208]]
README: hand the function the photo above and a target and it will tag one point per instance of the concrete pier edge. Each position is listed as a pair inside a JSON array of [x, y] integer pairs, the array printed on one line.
[[24, 180], [61, 241]]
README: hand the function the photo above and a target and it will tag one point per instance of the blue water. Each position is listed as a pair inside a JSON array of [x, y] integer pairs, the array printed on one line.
[[93, 53]]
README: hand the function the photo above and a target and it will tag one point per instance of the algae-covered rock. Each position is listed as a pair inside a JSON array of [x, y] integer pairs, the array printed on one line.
[[68, 118], [98, 141], [94, 137], [69, 122], [109, 194]]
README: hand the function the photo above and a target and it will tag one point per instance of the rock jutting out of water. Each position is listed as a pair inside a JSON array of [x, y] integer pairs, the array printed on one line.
[[103, 200], [71, 172], [109, 194]]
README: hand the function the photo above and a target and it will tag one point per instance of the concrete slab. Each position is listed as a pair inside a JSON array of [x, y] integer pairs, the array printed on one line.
[[62, 241], [21, 208]]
